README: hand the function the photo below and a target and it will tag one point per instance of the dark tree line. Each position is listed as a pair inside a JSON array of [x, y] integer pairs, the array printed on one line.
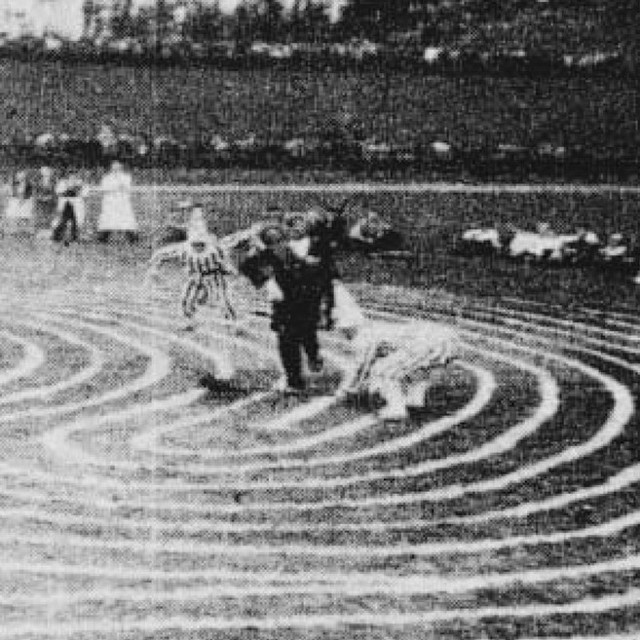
[[422, 22], [205, 22], [269, 20]]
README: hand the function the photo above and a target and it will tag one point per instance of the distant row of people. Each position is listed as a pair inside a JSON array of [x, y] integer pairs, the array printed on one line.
[[582, 247], [60, 204]]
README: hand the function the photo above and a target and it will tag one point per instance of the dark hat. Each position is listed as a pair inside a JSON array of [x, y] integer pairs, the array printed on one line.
[[272, 234]]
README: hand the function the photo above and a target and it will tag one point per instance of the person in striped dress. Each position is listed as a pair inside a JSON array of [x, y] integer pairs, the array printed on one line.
[[208, 268], [387, 356]]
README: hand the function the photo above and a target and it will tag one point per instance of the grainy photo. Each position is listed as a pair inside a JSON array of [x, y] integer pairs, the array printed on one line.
[[319, 320]]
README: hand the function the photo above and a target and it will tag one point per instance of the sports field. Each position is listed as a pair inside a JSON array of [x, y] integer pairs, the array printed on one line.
[[137, 503]]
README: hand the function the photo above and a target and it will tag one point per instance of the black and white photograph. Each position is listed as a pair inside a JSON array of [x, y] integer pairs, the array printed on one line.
[[319, 320]]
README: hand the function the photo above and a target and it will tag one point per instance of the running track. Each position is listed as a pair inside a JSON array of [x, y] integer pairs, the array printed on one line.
[[135, 503]]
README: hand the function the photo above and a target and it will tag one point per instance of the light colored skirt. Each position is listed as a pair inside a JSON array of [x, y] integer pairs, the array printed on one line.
[[19, 209], [117, 214]]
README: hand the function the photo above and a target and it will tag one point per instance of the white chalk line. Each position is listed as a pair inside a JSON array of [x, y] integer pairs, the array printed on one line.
[[50, 437], [236, 584], [156, 370], [622, 411], [167, 505], [482, 397], [136, 410], [33, 358], [94, 366], [284, 423], [140, 487], [606, 316], [343, 430], [465, 489], [377, 187], [57, 440], [309, 410], [191, 547], [617, 482], [551, 326], [342, 621]]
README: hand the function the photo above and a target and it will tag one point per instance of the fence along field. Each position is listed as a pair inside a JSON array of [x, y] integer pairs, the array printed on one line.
[[136, 504]]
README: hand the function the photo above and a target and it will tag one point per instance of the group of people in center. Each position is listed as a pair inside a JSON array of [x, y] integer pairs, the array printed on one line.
[[295, 263], [292, 260]]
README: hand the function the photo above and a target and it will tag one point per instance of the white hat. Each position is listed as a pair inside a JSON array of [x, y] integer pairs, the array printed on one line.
[[197, 230]]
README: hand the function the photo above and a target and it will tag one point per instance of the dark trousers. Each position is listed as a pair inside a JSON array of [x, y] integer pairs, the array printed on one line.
[[67, 229], [297, 335]]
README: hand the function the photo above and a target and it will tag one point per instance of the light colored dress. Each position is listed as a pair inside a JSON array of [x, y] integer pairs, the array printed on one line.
[[117, 210], [20, 203], [19, 209]]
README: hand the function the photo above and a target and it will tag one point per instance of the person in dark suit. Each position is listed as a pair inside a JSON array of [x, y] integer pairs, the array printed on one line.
[[327, 232], [292, 279]]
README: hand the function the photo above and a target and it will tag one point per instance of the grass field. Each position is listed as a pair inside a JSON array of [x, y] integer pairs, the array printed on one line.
[[137, 503]]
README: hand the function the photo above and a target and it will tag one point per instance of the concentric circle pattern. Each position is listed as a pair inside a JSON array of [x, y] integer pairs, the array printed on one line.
[[136, 503]]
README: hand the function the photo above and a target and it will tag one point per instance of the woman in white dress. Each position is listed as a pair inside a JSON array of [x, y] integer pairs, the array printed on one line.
[[117, 210], [19, 209]]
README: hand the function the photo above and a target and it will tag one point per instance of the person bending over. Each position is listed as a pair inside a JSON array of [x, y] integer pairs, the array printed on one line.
[[388, 355]]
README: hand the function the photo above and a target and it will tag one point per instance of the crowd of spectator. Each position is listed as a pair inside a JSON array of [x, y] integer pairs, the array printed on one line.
[[331, 152], [455, 58], [582, 247]]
